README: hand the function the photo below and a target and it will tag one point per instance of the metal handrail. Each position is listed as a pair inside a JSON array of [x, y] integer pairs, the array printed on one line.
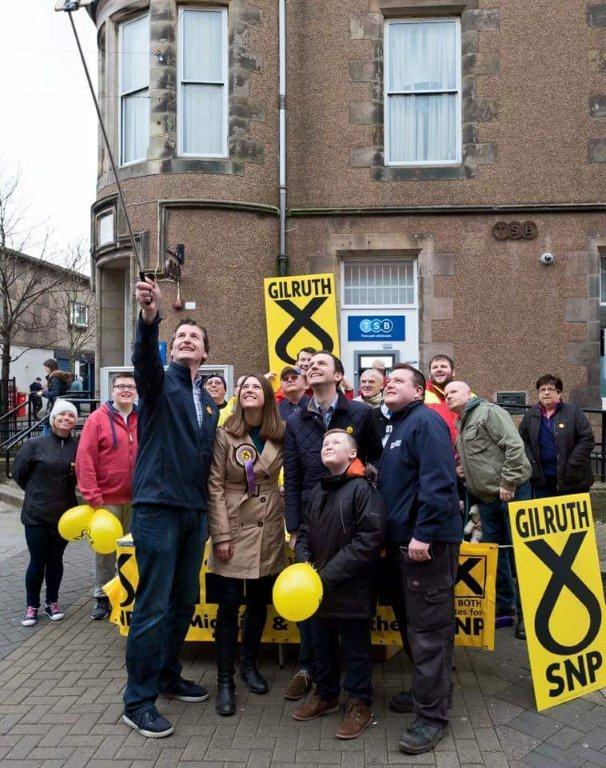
[[12, 441], [14, 410], [26, 433], [599, 453]]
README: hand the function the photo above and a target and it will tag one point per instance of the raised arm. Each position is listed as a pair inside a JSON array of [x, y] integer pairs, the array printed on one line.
[[149, 371]]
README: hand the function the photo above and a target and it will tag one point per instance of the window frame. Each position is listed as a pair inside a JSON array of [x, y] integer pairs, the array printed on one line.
[[122, 95], [379, 262], [387, 94], [105, 213], [602, 282], [73, 321], [224, 82]]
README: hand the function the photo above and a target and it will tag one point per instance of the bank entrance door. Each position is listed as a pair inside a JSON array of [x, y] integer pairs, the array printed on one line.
[[379, 314]]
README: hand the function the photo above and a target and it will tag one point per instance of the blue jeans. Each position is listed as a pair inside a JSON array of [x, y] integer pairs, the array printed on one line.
[[169, 544], [496, 530]]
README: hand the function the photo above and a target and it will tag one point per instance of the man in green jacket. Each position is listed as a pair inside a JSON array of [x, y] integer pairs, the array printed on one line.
[[494, 464]]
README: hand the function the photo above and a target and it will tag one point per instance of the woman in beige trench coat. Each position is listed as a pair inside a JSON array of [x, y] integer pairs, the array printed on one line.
[[246, 522]]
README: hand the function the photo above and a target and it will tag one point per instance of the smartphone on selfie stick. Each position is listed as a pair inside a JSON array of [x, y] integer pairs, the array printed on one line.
[[143, 277]]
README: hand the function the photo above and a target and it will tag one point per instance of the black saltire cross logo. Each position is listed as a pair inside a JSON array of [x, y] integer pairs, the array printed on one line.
[[302, 318], [123, 558], [464, 575], [562, 576]]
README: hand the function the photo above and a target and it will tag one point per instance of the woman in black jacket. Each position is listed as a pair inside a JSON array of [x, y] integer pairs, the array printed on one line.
[[558, 439], [44, 468]]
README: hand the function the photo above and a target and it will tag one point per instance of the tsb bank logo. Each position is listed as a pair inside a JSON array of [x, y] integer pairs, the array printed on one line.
[[376, 325]]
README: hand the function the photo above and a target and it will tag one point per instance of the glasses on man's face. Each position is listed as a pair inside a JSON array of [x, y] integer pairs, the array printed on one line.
[[125, 387], [547, 390]]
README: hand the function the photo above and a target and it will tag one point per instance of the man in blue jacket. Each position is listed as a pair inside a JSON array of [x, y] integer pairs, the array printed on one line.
[[176, 428], [419, 486]]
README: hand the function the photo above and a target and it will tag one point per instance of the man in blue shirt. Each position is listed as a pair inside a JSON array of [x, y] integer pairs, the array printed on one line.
[[418, 483], [176, 428], [292, 386]]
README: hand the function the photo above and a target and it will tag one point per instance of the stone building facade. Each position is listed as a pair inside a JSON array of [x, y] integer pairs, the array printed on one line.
[[58, 322], [456, 214]]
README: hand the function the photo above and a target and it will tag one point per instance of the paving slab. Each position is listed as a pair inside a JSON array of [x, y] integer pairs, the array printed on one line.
[[61, 685]]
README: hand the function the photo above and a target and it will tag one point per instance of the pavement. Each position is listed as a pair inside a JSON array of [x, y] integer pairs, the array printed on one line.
[[61, 685]]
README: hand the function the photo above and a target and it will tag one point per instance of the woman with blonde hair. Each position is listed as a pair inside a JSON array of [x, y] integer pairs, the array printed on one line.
[[246, 522]]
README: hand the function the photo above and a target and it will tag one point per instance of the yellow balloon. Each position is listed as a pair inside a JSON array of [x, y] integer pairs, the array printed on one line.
[[297, 592], [105, 530], [75, 522]]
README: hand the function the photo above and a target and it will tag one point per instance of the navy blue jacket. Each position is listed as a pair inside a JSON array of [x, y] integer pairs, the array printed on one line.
[[303, 438], [417, 479], [286, 408], [174, 455]]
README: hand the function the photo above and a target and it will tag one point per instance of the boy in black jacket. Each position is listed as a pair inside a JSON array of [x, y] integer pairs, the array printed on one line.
[[341, 535]]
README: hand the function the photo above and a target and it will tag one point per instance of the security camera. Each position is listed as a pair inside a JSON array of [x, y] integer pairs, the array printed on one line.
[[547, 258]]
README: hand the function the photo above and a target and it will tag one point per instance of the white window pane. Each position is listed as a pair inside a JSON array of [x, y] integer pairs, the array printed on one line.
[[134, 53], [135, 126], [380, 284], [203, 46], [423, 128], [203, 119], [105, 232], [423, 56]]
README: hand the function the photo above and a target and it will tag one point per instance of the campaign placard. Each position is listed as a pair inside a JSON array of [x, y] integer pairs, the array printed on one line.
[[475, 593], [562, 596], [474, 602], [300, 311]]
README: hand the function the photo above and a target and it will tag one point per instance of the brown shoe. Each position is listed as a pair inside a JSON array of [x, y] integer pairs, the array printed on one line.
[[358, 716], [313, 707], [299, 686]]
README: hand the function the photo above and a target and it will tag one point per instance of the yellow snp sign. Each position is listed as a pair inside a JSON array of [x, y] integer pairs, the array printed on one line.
[[475, 592], [300, 311], [474, 602], [562, 596]]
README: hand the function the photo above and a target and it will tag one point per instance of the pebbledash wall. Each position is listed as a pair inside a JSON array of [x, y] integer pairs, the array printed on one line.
[[532, 145]]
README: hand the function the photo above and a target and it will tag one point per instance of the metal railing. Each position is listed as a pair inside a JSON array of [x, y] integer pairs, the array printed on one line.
[[8, 400], [597, 417], [10, 445]]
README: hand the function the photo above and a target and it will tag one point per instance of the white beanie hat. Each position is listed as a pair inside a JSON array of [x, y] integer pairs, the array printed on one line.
[[62, 406]]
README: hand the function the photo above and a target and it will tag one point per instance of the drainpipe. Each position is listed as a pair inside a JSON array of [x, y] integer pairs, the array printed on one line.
[[282, 262]]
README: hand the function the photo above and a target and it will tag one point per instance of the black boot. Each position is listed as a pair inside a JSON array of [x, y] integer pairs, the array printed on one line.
[[252, 677], [252, 629], [226, 638], [226, 698]]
